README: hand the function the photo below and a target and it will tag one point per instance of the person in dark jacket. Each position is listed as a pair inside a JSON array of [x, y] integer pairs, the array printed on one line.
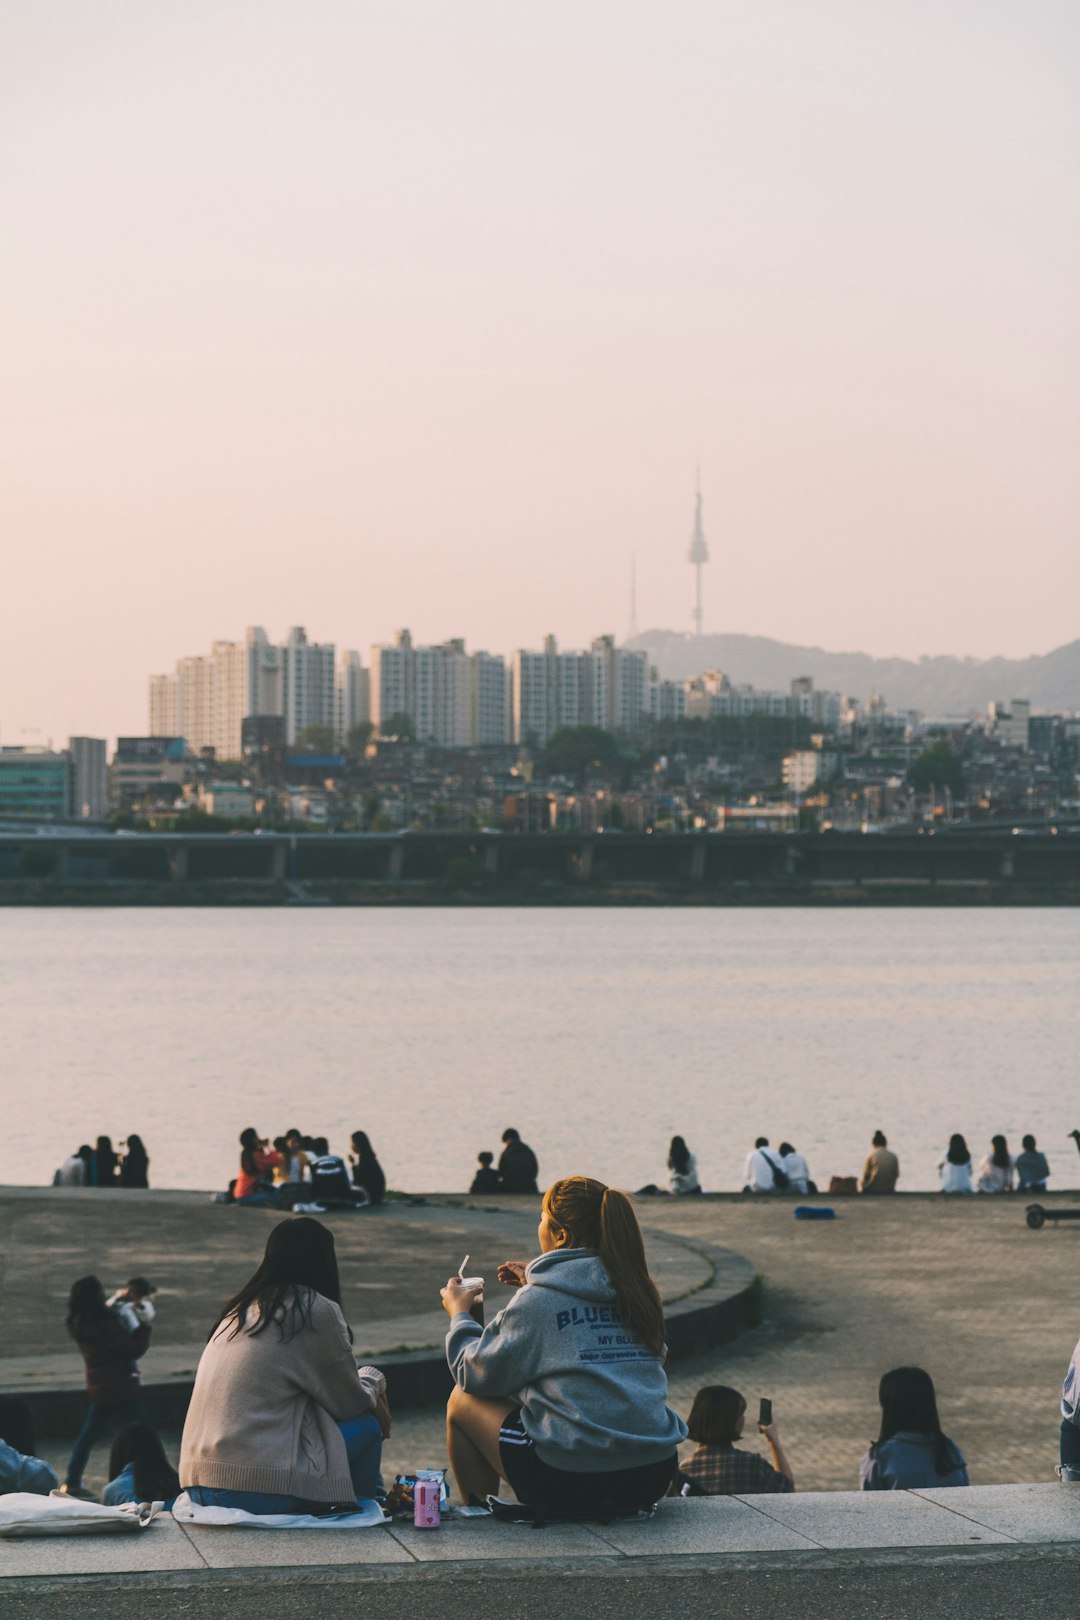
[[517, 1165], [135, 1165], [103, 1171], [110, 1352], [486, 1179], [367, 1172]]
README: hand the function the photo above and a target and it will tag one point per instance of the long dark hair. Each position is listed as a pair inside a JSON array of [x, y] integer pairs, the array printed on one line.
[[958, 1150], [1000, 1155], [909, 1405], [17, 1425], [678, 1158], [250, 1143], [600, 1218], [361, 1146], [299, 1262], [156, 1480], [135, 1149], [86, 1305]]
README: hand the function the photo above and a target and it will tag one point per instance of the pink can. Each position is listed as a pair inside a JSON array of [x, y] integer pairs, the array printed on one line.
[[426, 1494]]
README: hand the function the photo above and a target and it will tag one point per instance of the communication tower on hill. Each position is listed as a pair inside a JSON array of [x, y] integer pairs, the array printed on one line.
[[698, 555]]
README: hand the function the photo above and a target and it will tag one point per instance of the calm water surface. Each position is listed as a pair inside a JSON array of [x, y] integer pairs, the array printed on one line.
[[597, 1033]]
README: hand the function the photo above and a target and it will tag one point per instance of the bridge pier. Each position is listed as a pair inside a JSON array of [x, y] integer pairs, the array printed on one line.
[[178, 864], [279, 863], [396, 865], [1008, 864], [697, 862], [491, 858], [585, 862]]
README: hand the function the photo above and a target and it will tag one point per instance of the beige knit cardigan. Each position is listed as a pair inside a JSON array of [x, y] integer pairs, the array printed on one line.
[[265, 1410]]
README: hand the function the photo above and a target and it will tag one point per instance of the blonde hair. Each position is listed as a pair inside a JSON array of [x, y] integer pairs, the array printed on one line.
[[600, 1218]]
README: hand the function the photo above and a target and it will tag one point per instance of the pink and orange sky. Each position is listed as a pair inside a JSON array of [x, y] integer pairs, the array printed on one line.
[[356, 315]]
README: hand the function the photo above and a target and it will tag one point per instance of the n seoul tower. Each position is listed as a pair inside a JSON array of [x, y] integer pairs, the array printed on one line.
[[698, 555]]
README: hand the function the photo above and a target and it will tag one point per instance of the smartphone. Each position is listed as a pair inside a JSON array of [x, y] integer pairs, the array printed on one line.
[[764, 1415]]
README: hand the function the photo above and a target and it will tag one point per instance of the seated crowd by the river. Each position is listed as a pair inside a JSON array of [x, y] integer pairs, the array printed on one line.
[[102, 1166], [299, 1172]]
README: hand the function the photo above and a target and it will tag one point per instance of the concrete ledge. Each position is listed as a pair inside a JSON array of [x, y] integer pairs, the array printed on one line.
[[725, 1307], [779, 1532]]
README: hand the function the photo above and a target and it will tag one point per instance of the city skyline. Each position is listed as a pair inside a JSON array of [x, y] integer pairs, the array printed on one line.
[[331, 353]]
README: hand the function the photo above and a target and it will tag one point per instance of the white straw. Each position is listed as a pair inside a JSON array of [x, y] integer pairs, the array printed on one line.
[[464, 1263]]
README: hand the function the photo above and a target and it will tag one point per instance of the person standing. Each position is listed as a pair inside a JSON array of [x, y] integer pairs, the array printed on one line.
[[955, 1167], [135, 1165], [881, 1171], [517, 1165], [110, 1353], [996, 1170], [1031, 1168]]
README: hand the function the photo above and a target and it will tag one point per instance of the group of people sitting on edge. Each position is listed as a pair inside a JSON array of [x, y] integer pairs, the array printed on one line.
[[102, 1166], [563, 1395], [517, 1168], [998, 1171], [300, 1173]]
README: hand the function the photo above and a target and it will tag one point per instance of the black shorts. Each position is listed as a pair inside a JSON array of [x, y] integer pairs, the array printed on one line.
[[535, 1483]]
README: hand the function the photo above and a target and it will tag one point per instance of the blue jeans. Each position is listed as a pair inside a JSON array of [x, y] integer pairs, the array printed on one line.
[[363, 1447], [1070, 1444], [99, 1420]]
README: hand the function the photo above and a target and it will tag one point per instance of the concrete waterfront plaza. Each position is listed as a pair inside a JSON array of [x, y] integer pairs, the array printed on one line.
[[960, 1286]]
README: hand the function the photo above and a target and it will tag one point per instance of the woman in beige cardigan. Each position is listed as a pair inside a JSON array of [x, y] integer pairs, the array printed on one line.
[[281, 1419]]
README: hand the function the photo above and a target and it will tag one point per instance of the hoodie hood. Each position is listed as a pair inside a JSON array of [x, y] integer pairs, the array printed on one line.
[[578, 1273]]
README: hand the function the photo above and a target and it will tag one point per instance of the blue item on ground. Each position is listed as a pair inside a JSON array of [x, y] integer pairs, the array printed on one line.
[[814, 1212]]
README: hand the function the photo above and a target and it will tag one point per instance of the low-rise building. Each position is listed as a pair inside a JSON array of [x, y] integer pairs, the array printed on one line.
[[35, 783]]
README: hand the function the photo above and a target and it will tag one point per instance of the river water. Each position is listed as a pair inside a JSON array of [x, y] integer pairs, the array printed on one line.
[[598, 1033]]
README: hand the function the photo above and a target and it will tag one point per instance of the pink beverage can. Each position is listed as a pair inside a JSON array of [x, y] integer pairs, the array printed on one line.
[[426, 1493]]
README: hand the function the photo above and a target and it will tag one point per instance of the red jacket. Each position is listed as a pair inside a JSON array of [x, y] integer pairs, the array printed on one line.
[[110, 1354]]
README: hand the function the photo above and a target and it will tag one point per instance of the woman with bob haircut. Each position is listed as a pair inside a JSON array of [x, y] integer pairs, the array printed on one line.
[[717, 1468], [281, 1420], [911, 1452], [564, 1393]]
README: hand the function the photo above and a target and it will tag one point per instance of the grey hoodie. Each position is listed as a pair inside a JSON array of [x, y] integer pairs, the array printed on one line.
[[593, 1398]]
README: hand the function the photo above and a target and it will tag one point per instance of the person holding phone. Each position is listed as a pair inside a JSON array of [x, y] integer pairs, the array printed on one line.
[[563, 1394], [718, 1467]]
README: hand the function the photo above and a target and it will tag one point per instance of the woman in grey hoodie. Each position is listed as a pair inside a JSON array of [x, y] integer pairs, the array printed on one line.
[[564, 1393]]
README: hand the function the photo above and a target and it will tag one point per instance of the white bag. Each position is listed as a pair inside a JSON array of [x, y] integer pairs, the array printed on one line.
[[24, 1514], [185, 1511]]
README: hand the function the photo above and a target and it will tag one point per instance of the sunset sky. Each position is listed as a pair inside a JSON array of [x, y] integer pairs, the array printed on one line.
[[359, 315]]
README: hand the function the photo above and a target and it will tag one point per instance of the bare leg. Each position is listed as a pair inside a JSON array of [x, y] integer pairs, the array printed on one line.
[[472, 1441]]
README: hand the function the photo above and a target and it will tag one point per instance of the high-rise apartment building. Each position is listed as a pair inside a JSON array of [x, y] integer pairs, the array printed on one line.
[[352, 695], [309, 683], [606, 686], [89, 785], [451, 697]]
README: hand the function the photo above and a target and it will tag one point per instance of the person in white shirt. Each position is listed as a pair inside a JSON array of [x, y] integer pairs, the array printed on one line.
[[683, 1167], [996, 1170], [795, 1168], [72, 1173], [955, 1167], [760, 1173]]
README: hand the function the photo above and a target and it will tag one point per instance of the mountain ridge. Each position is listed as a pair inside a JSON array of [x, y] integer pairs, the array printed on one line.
[[937, 685]]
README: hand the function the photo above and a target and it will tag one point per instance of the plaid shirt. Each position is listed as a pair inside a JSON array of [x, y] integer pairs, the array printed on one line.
[[723, 1471]]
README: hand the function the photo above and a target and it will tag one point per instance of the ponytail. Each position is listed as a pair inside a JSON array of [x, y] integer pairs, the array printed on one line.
[[600, 1218]]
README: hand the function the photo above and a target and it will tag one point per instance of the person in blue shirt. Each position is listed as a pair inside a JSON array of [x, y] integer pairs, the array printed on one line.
[[911, 1452], [20, 1470], [139, 1470]]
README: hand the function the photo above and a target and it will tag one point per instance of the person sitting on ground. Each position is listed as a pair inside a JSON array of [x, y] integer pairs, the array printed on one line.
[[517, 1165], [367, 1172], [683, 1167], [110, 1351], [795, 1168], [139, 1470], [251, 1185], [763, 1174], [135, 1165], [103, 1173], [716, 1468], [564, 1393], [281, 1420], [296, 1161], [330, 1187], [996, 1170], [910, 1453], [1069, 1471], [72, 1172], [955, 1167], [20, 1469], [881, 1171], [486, 1179], [279, 1176], [1031, 1168]]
